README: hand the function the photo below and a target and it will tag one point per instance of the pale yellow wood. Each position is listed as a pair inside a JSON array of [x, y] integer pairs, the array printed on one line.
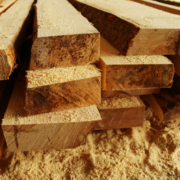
[[161, 6], [63, 36], [11, 35], [121, 112], [56, 130], [139, 29], [133, 92], [5, 4], [133, 72]]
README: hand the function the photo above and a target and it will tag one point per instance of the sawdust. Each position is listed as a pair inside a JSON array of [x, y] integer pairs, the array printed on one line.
[[143, 153], [119, 102], [59, 75]]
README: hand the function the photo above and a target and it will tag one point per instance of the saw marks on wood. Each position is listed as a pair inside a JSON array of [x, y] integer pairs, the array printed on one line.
[[14, 24], [133, 28], [62, 88], [56, 130], [133, 72], [63, 37], [121, 112]]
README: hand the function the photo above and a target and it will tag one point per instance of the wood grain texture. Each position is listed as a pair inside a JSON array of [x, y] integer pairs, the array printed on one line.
[[124, 117], [14, 26], [133, 28], [133, 92], [139, 76], [161, 6], [63, 96], [46, 136], [133, 72], [62, 129], [63, 37]]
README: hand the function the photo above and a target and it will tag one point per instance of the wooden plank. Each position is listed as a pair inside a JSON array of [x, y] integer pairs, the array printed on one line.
[[55, 130], [62, 88], [63, 37], [133, 28], [14, 26], [121, 112], [133, 92], [161, 6], [6, 4], [133, 72]]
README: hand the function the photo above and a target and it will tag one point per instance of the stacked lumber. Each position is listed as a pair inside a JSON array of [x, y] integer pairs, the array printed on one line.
[[134, 39], [15, 23], [56, 107], [132, 28], [123, 111]]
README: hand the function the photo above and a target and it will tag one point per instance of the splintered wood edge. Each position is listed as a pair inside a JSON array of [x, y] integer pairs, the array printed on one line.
[[60, 75]]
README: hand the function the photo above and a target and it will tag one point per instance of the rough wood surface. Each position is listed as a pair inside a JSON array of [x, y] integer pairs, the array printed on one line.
[[56, 130], [14, 26], [63, 37], [133, 28], [63, 96], [133, 92], [67, 88], [133, 72], [126, 115], [161, 6]]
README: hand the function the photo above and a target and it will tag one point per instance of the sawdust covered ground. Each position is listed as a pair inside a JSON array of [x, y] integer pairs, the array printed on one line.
[[150, 152]]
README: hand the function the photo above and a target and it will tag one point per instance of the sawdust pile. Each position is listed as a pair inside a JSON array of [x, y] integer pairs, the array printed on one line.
[[150, 152]]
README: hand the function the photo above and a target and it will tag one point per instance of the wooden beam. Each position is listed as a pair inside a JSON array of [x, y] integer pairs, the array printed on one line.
[[133, 72], [55, 130], [133, 92], [63, 37], [62, 88], [161, 6], [121, 112], [14, 27], [133, 28]]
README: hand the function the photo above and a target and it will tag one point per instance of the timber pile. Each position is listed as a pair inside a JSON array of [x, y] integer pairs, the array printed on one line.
[[58, 108], [134, 39], [56, 105], [15, 23]]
